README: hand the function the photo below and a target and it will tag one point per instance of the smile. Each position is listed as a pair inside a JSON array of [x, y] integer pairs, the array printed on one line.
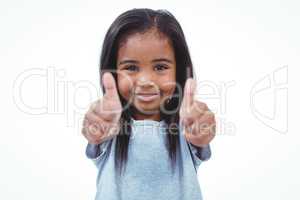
[[147, 96]]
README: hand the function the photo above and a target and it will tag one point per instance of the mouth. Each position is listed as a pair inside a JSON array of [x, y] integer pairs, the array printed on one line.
[[147, 97]]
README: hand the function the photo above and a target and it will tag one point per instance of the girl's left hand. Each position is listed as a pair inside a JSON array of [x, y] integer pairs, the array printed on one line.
[[195, 117]]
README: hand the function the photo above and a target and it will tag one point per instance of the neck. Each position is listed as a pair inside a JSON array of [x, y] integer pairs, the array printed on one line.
[[139, 116]]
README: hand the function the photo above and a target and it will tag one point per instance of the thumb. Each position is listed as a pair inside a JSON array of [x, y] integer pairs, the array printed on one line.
[[188, 94], [110, 87], [187, 100]]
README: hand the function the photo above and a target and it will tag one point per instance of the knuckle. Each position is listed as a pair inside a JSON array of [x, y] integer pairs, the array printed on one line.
[[210, 115], [199, 107], [83, 131], [85, 121], [93, 129], [87, 117], [203, 106], [95, 105]]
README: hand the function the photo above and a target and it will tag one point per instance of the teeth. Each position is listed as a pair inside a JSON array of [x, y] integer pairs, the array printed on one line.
[[147, 97]]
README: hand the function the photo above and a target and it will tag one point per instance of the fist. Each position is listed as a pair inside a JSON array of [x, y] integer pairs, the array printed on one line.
[[101, 122], [197, 120]]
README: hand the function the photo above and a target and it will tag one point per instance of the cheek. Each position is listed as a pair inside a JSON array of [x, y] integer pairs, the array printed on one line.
[[167, 86], [125, 86], [169, 82]]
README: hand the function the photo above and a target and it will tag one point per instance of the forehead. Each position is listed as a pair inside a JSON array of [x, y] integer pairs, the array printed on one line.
[[148, 45]]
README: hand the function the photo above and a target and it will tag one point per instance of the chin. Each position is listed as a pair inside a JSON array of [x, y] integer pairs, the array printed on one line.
[[148, 111]]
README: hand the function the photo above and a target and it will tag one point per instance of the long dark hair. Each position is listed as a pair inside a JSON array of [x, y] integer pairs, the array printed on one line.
[[139, 21]]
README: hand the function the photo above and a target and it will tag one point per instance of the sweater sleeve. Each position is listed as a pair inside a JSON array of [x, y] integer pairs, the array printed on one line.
[[199, 154], [96, 152], [203, 153]]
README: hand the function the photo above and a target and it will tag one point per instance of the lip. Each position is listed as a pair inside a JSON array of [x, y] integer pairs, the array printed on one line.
[[147, 96]]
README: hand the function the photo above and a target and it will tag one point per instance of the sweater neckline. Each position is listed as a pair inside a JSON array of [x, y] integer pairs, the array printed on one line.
[[147, 122]]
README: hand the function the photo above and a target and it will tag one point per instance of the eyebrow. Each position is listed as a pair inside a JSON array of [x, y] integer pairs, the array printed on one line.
[[154, 60]]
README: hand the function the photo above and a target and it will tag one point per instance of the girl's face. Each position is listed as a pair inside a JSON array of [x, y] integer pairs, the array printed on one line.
[[146, 69]]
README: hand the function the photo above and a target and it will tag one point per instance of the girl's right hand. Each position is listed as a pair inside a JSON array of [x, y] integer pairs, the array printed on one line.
[[102, 121]]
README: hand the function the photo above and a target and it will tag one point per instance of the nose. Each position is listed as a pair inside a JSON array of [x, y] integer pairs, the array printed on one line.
[[145, 80]]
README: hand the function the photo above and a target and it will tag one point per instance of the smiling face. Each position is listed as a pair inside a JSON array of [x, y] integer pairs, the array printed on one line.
[[146, 69]]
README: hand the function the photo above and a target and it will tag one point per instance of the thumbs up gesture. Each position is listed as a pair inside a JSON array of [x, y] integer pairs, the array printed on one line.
[[101, 122], [197, 120]]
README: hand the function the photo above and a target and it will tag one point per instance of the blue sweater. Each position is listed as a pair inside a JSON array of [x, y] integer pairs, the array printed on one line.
[[148, 172]]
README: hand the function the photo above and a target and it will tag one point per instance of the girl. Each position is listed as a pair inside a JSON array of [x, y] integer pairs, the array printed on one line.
[[147, 135]]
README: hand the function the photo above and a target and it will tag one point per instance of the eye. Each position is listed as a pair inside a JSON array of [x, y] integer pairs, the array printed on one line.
[[160, 67], [131, 68]]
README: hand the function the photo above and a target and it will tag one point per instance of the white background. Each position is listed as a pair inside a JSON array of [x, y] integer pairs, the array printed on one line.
[[49, 61]]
